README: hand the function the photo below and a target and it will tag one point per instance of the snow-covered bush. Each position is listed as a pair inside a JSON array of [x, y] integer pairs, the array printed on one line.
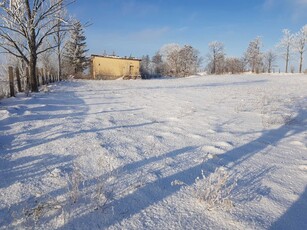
[[215, 190]]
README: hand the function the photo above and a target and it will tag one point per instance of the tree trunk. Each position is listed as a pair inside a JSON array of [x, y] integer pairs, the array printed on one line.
[[59, 65], [18, 79], [33, 60], [301, 62], [32, 67], [58, 38], [287, 59], [214, 62], [11, 80]]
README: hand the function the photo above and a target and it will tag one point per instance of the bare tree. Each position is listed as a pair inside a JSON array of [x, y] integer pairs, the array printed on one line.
[[47, 61], [145, 67], [285, 46], [253, 55], [234, 65], [32, 22], [170, 56], [179, 61], [189, 61], [300, 40], [59, 38], [269, 59], [216, 57], [159, 67]]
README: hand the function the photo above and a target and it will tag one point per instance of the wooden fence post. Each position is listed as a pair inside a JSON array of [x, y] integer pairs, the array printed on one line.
[[37, 76], [27, 81], [18, 79], [43, 78], [47, 77], [11, 80]]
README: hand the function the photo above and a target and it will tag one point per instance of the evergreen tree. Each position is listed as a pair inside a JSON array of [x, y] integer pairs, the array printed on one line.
[[75, 55]]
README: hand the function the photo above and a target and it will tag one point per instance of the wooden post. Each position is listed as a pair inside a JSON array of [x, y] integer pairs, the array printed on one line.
[[45, 76], [43, 79], [18, 79], [48, 77], [11, 80], [37, 76], [27, 81]]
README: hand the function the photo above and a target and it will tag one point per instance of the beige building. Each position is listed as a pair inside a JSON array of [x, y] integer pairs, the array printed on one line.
[[113, 67]]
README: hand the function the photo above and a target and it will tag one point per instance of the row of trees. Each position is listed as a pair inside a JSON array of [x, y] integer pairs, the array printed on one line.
[[39, 31], [254, 59], [174, 60], [171, 60]]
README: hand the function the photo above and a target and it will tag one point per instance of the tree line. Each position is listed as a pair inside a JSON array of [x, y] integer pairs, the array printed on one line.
[[171, 60], [42, 32], [174, 60]]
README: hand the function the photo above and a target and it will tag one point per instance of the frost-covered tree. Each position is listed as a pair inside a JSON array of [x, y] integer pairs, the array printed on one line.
[[285, 46], [179, 61], [253, 55], [158, 65], [48, 61], [145, 67], [269, 60], [24, 27], [170, 56], [216, 57], [75, 49], [59, 38], [189, 61], [300, 40], [233, 65]]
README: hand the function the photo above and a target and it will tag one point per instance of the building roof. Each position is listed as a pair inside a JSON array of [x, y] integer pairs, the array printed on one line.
[[116, 57]]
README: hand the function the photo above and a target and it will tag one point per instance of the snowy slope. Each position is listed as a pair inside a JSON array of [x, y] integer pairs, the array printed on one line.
[[126, 154]]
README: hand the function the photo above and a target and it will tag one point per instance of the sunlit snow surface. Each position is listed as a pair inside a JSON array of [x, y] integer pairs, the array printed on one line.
[[126, 154]]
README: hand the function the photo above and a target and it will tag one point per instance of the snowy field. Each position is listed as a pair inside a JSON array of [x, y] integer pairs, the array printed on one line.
[[212, 152]]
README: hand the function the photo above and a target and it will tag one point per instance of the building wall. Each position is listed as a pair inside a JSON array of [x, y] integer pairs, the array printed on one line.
[[113, 67]]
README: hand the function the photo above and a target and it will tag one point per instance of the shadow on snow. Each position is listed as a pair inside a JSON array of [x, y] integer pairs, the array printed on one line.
[[153, 192]]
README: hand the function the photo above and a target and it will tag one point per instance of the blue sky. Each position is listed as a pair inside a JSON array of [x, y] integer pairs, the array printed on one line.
[[140, 27]]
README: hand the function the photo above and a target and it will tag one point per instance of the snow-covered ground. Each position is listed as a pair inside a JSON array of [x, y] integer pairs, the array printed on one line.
[[127, 154]]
